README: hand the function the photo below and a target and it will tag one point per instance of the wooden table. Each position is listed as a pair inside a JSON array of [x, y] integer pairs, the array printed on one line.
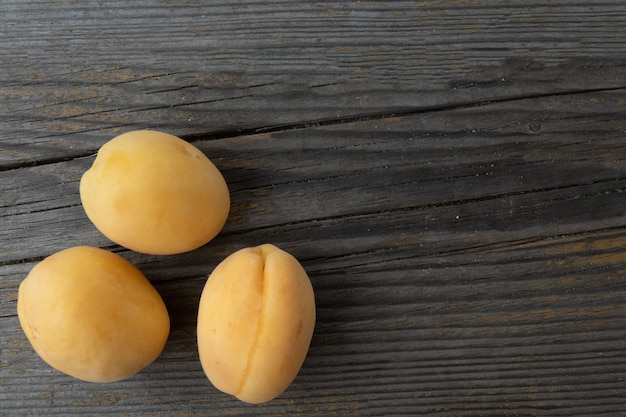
[[451, 174]]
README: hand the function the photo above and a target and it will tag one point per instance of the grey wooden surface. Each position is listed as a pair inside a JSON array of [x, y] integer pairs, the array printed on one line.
[[450, 173]]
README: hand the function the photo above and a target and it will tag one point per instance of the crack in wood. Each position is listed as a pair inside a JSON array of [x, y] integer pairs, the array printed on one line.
[[450, 203], [388, 115], [224, 134]]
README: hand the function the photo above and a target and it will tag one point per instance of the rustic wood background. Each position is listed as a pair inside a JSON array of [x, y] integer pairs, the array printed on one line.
[[451, 173]]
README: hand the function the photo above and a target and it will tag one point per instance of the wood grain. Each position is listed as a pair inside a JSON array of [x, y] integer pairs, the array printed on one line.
[[76, 73], [451, 174]]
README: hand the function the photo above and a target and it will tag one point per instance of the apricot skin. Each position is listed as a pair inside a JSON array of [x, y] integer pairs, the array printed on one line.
[[255, 323], [155, 193], [91, 314]]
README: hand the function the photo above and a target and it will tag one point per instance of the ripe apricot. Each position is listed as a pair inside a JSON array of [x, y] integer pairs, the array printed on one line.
[[91, 314], [255, 322], [155, 193]]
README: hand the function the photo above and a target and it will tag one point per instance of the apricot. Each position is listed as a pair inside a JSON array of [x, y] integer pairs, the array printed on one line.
[[255, 323], [91, 314], [155, 193]]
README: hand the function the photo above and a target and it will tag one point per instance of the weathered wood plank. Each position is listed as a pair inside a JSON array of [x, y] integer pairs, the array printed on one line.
[[466, 262], [74, 74], [501, 156]]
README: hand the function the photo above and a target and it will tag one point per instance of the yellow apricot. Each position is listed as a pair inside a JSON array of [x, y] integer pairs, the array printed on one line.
[[255, 322], [155, 193], [91, 314]]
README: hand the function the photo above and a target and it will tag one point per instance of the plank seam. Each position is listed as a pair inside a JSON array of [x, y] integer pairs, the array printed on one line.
[[225, 134]]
